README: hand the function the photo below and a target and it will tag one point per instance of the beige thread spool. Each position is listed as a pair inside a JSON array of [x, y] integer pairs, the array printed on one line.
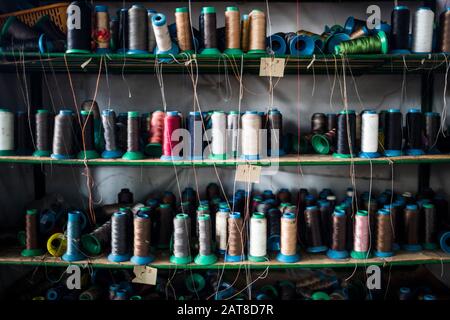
[[233, 30], [102, 32], [184, 34], [235, 250], [288, 243], [245, 30], [257, 34]]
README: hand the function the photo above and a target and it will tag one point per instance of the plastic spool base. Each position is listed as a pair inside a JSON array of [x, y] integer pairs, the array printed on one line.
[[42, 153], [233, 52], [412, 247], [257, 51], [133, 155], [174, 50], [250, 157], [32, 252], [392, 153], [381, 254], [73, 257], [118, 257], [257, 259], [153, 150], [180, 260], [288, 259], [229, 258], [316, 249], [320, 144], [336, 255], [91, 244], [276, 153], [205, 260], [273, 243], [141, 261], [196, 158], [433, 151], [61, 156], [133, 52], [400, 51], [369, 155], [210, 52], [88, 154], [415, 152], [359, 255], [102, 50], [78, 51], [218, 156], [429, 246], [171, 158], [6, 153], [341, 155], [112, 154], [221, 252]]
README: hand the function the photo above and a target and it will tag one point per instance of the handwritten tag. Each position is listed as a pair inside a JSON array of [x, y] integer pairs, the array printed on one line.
[[272, 67], [145, 275], [248, 173]]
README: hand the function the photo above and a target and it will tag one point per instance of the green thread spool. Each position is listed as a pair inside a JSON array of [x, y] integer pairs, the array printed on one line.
[[374, 44]]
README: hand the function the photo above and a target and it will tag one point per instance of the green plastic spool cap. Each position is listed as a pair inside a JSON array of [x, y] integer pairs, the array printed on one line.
[[342, 155], [428, 205], [320, 144], [145, 209], [4, 110], [42, 111], [133, 114], [384, 42], [320, 296], [88, 154], [182, 9], [86, 112], [204, 216], [31, 211], [258, 215], [347, 112], [256, 10], [362, 213], [233, 112], [181, 216], [232, 9], [91, 244], [136, 298], [164, 205], [208, 10], [195, 282]]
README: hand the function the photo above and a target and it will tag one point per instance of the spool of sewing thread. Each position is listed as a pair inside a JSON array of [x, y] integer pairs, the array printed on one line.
[[184, 33], [6, 133], [122, 44], [165, 225], [319, 41], [206, 255], [22, 139], [181, 243], [43, 133], [57, 244], [336, 39], [79, 27], [326, 210], [361, 241], [288, 244], [369, 135], [235, 249], [195, 127], [87, 136], [154, 146], [222, 229], [422, 34], [346, 134], [258, 238], [73, 252], [431, 225], [444, 241], [172, 122], [396, 217], [384, 234], [63, 135], [164, 44], [393, 133], [299, 45], [257, 32], [339, 235], [245, 32], [412, 228], [233, 133], [137, 30], [208, 31], [276, 43], [142, 237], [219, 143], [93, 293], [371, 44], [274, 133], [352, 24], [14, 30], [32, 234], [444, 31], [414, 132], [112, 150], [102, 35], [314, 236], [399, 41], [232, 31], [98, 240], [432, 125], [114, 30], [119, 237], [133, 152], [251, 124]]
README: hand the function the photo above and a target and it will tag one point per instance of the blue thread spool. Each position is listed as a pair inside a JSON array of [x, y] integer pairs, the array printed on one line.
[[289, 217], [73, 252], [67, 139], [195, 127], [144, 217], [273, 242], [224, 291], [378, 253], [300, 45], [277, 43], [444, 242], [335, 40], [339, 253], [159, 21], [234, 258]]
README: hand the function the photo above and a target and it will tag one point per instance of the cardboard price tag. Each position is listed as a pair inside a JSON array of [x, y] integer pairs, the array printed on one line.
[[272, 67], [248, 173], [145, 275]]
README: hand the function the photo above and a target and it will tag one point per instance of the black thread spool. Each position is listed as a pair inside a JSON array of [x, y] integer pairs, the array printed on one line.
[[125, 197], [165, 228], [189, 195], [393, 136], [444, 31], [122, 122], [431, 225], [208, 30], [212, 191], [274, 229], [331, 121], [326, 211], [318, 123], [79, 27], [114, 30], [339, 235], [122, 37], [43, 133], [169, 198], [412, 227], [22, 134], [137, 30], [87, 136], [133, 149], [443, 214], [400, 30], [301, 205], [63, 135], [314, 236], [414, 132], [432, 125], [346, 134], [287, 290], [15, 30], [119, 238], [46, 26], [274, 133], [284, 196]]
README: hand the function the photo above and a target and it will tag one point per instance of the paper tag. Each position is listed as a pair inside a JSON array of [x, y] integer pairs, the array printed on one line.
[[272, 67], [248, 173], [145, 275]]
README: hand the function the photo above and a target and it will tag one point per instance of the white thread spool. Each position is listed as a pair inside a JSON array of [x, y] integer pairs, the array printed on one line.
[[262, 136], [151, 33], [369, 134], [258, 237], [251, 124], [233, 132], [218, 145], [6, 132], [222, 229], [161, 30], [422, 41]]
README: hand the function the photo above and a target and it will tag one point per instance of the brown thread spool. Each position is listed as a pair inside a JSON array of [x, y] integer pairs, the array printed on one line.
[[184, 32], [257, 34], [288, 243], [235, 251], [339, 235], [359, 32], [232, 30], [411, 216], [102, 34], [444, 28], [314, 236], [32, 234], [384, 234], [245, 32], [142, 237], [431, 224]]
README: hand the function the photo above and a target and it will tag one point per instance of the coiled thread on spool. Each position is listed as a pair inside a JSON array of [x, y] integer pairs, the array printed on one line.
[[370, 44], [206, 255], [63, 135], [288, 243], [422, 36], [411, 228], [257, 32], [232, 31], [369, 135], [399, 42], [6, 133], [181, 242], [73, 252], [137, 30], [338, 235], [154, 146], [235, 250], [444, 31], [432, 126], [119, 237], [142, 237], [251, 124], [208, 30], [195, 127], [431, 226], [57, 244], [314, 236], [393, 133], [414, 132], [274, 129], [102, 35], [245, 32], [87, 134], [164, 44], [165, 225], [110, 135], [258, 238], [222, 229], [233, 132], [98, 240], [172, 122], [79, 26], [133, 152], [384, 234], [32, 234], [122, 45], [346, 134], [43, 134], [219, 134], [361, 241], [184, 32]]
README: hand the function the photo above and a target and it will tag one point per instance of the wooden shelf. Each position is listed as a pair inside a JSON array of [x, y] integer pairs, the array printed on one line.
[[288, 160], [145, 63], [13, 257]]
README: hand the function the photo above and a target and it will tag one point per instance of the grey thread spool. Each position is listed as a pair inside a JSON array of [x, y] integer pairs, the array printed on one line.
[[137, 30], [233, 132], [181, 245], [205, 255], [119, 234], [43, 134], [201, 210], [63, 135], [274, 132], [109, 134], [133, 152], [151, 33]]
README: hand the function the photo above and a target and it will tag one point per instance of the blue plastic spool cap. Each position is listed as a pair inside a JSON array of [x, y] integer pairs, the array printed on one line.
[[101, 8], [301, 45], [73, 252], [229, 258], [288, 258], [277, 43], [119, 257], [337, 254], [335, 40], [224, 291], [349, 25]]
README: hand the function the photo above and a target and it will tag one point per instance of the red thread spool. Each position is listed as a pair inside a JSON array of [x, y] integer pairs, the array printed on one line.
[[156, 134], [172, 122]]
